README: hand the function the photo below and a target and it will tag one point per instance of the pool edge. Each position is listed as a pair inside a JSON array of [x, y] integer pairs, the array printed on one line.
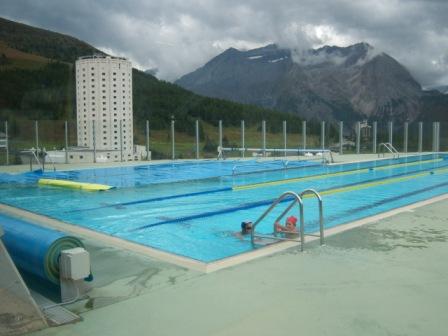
[[193, 264]]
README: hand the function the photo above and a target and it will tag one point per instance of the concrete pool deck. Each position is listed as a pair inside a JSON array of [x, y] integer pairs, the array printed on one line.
[[385, 278]]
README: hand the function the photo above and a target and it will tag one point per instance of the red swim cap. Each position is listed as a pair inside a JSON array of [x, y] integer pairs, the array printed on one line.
[[292, 220]]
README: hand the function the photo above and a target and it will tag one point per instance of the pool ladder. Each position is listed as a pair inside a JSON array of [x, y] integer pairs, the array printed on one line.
[[389, 147], [297, 199]]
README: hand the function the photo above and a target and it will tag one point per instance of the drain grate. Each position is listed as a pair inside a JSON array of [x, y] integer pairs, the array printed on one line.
[[57, 315]]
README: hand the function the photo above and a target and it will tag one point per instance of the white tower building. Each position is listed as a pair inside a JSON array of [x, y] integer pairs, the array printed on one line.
[[104, 105]]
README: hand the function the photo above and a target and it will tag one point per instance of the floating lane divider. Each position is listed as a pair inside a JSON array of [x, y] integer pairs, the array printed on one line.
[[322, 176], [74, 185], [346, 188], [155, 199]]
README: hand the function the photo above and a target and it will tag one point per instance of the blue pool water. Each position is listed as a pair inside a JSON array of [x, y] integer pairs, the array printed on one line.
[[193, 209]]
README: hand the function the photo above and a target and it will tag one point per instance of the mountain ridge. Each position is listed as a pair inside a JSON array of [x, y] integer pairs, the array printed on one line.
[[354, 82]]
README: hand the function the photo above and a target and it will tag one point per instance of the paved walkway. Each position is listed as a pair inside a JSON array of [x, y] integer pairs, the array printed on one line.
[[386, 278]]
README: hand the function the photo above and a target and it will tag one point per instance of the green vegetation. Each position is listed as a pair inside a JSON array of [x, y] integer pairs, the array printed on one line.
[[37, 81]]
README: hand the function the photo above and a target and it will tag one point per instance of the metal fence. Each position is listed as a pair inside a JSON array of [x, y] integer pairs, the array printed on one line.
[[201, 139]]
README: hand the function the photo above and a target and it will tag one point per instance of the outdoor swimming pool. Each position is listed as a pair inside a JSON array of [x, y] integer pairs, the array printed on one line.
[[170, 208]]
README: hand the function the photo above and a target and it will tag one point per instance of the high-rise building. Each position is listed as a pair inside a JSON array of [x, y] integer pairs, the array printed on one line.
[[104, 105]]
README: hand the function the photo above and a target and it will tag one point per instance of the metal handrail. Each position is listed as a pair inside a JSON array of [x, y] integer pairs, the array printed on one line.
[[321, 212], [221, 151], [297, 199], [389, 147], [49, 157]]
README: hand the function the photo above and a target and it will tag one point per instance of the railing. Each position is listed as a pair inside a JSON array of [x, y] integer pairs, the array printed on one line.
[[321, 213], [35, 154], [389, 147], [297, 199], [263, 151]]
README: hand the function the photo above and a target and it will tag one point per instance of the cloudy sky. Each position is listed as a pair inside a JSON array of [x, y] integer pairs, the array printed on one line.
[[178, 36]]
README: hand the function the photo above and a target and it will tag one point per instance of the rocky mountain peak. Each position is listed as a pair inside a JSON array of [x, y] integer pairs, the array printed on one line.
[[330, 82]]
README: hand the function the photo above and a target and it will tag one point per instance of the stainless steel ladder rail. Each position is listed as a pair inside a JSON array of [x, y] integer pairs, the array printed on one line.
[[389, 147], [44, 151], [321, 213], [296, 199]]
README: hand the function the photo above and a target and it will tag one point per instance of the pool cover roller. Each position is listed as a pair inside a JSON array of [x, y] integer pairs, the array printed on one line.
[[36, 249]]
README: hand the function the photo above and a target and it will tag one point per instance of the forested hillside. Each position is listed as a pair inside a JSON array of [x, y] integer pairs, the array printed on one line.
[[37, 82]]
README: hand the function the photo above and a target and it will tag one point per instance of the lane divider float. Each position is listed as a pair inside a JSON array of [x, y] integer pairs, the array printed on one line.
[[74, 185]]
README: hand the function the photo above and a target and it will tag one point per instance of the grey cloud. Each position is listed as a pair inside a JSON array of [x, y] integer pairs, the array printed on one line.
[[177, 36]]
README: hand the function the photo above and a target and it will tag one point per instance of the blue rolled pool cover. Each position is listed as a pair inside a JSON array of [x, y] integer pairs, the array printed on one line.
[[34, 248]]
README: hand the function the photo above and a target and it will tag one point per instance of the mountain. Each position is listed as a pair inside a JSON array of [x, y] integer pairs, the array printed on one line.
[[440, 88], [331, 83], [37, 82]]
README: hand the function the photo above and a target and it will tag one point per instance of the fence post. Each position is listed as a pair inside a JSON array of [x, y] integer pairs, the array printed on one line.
[[220, 133], [435, 136], [341, 137], [263, 134], [147, 140], [36, 133], [284, 135], [304, 133], [358, 137], [374, 136], [243, 129], [322, 135], [405, 140], [197, 138], [94, 139], [390, 131], [7, 142], [66, 140], [420, 137], [173, 146]]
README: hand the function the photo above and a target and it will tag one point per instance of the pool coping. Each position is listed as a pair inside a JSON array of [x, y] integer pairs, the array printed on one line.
[[193, 264]]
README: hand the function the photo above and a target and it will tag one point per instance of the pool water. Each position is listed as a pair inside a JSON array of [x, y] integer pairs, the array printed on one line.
[[195, 209]]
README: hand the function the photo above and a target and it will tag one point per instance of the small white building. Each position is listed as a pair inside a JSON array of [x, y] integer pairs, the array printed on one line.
[[104, 106]]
